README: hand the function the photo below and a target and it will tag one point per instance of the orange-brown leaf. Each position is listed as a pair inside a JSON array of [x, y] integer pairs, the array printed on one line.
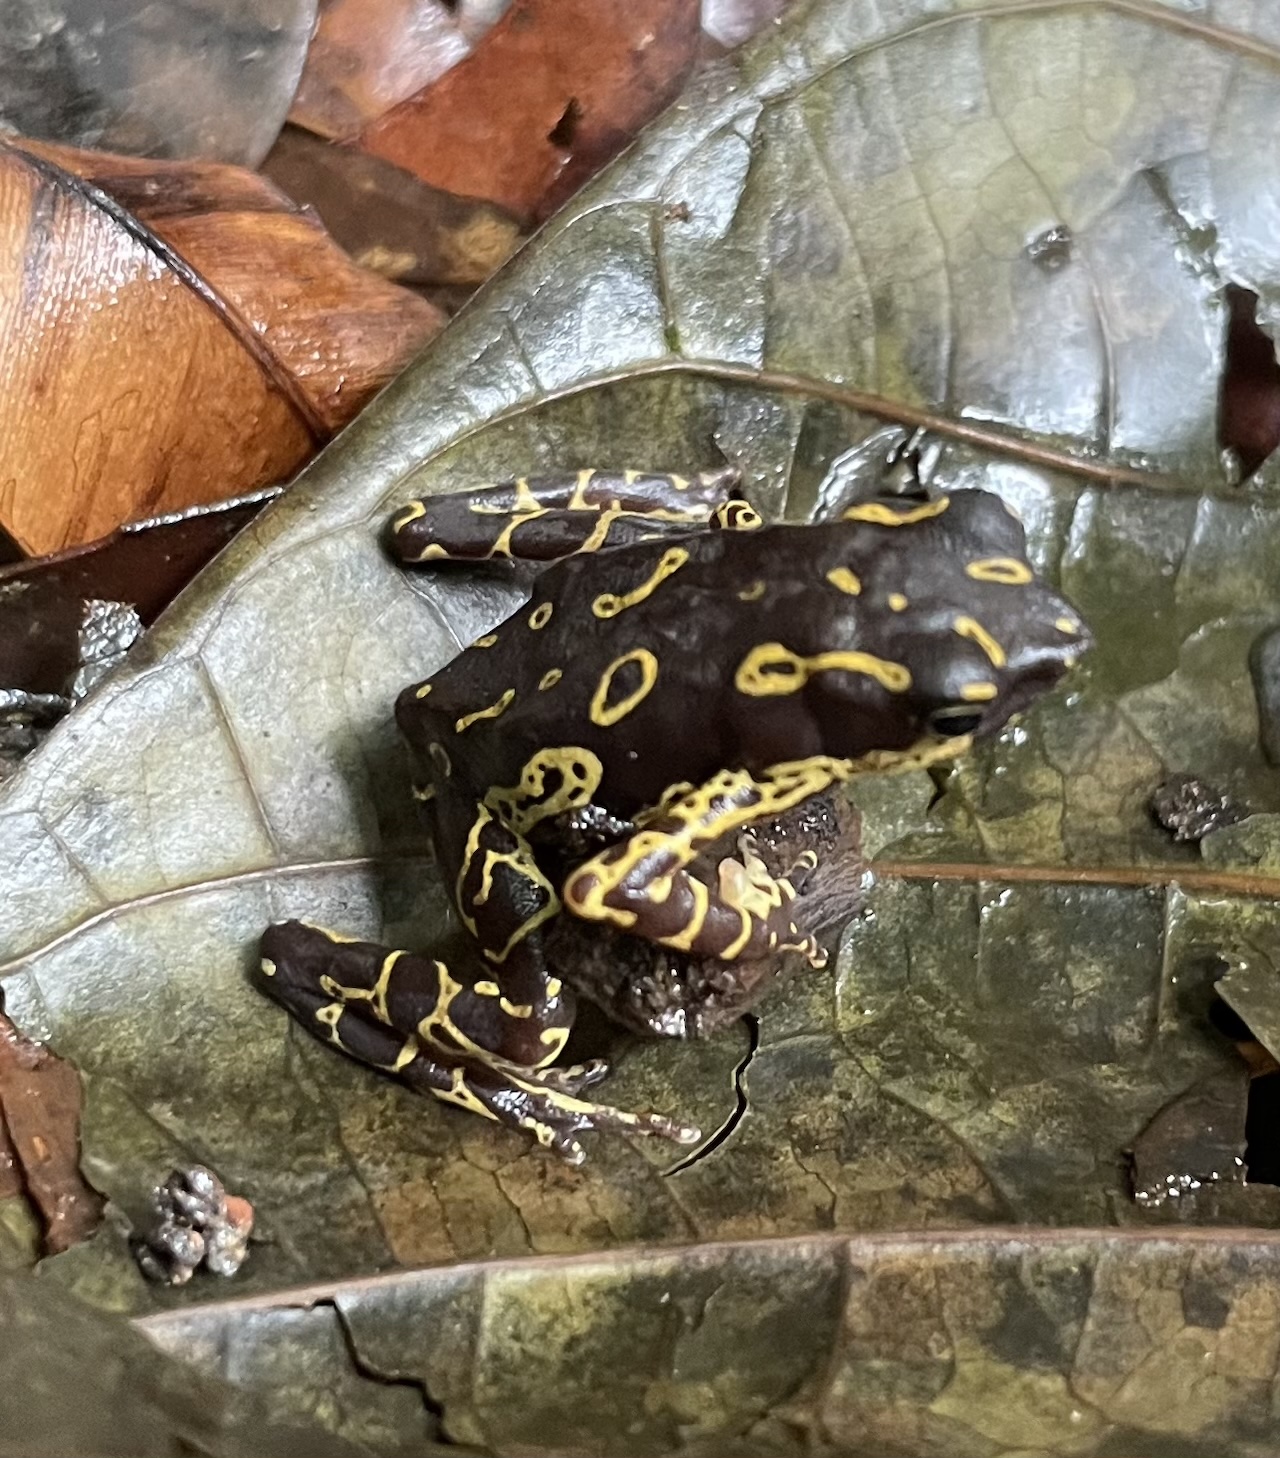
[[171, 334], [554, 90], [40, 1138], [367, 55]]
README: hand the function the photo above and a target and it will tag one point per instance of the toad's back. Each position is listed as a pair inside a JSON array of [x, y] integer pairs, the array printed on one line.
[[668, 661]]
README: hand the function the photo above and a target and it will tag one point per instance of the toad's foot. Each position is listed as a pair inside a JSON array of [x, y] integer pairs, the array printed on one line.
[[531, 1102]]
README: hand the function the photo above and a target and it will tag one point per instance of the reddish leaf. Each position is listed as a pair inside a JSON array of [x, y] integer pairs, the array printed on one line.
[[554, 90], [40, 1138], [367, 55]]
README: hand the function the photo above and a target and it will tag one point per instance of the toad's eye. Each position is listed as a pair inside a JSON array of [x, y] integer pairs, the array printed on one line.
[[954, 720]]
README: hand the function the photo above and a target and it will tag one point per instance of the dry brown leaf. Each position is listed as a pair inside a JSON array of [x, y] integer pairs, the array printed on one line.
[[40, 1138], [388, 220], [367, 55], [555, 90], [173, 334]]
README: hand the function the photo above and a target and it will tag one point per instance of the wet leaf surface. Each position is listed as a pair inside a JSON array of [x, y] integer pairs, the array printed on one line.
[[155, 80], [998, 1344], [815, 245], [76, 1382]]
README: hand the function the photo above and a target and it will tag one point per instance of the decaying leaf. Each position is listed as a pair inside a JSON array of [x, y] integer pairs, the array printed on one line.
[[1002, 1344], [818, 243], [40, 1139], [389, 221], [367, 55], [172, 334], [553, 91], [76, 1382]]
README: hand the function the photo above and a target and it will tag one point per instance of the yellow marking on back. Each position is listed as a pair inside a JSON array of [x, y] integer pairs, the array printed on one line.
[[772, 668], [268, 967], [413, 512], [515, 1009], [898, 602], [881, 513], [487, 641], [845, 580], [629, 478], [1007, 571], [431, 551], [754, 592], [981, 692], [494, 711], [487, 989], [554, 987], [680, 483], [609, 605], [423, 793], [541, 615], [549, 679], [526, 501], [422, 691], [973, 630], [604, 713], [1067, 625]]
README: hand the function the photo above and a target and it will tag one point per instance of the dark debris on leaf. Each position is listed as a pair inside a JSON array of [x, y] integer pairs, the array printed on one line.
[[197, 1223], [1189, 809]]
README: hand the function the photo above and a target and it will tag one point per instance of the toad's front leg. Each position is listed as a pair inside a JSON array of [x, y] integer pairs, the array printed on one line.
[[644, 886], [411, 1017]]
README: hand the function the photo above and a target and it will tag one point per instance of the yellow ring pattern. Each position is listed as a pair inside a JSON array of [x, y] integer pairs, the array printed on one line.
[[602, 711]]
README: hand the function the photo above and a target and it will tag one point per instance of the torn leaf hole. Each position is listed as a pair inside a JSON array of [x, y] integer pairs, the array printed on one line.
[[566, 129], [1249, 402], [1262, 1131]]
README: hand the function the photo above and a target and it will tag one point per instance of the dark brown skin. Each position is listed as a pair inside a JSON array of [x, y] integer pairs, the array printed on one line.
[[681, 678]]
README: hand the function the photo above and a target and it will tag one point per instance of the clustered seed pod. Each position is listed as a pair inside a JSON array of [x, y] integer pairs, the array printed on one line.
[[197, 1223]]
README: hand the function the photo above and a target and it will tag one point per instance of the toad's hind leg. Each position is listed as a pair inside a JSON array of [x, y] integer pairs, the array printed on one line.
[[411, 1017], [644, 886], [543, 518]]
